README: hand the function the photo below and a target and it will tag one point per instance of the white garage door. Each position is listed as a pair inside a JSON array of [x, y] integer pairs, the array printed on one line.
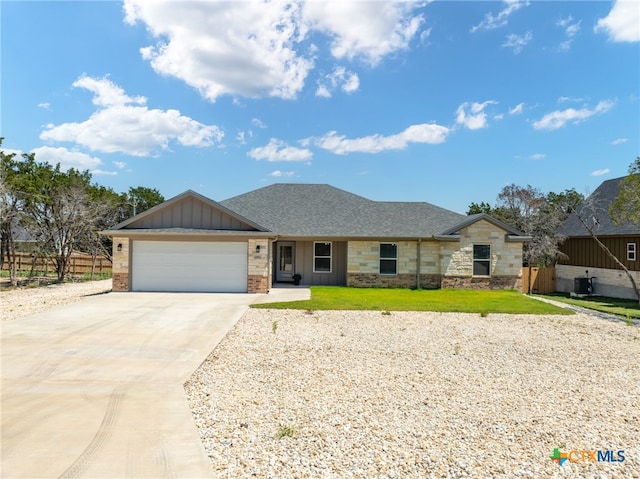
[[189, 266]]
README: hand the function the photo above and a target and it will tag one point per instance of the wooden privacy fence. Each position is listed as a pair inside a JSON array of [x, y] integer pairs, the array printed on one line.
[[538, 280], [78, 264]]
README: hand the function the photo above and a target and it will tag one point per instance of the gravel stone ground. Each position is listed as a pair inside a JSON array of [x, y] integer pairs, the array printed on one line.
[[336, 394], [406, 395], [24, 301]]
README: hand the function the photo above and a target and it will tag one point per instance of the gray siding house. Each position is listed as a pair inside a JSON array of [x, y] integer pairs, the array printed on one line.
[[318, 234]]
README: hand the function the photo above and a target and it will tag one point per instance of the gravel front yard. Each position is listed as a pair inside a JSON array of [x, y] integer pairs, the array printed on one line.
[[407, 395], [22, 302]]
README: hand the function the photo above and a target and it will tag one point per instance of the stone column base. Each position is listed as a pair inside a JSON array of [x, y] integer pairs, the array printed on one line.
[[257, 284], [120, 282]]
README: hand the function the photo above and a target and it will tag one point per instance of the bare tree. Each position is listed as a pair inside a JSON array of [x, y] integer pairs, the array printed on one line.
[[10, 211], [62, 221], [537, 215]]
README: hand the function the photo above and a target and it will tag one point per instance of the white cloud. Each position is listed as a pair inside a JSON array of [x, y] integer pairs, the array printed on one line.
[[566, 99], [422, 133], [259, 48], [565, 46], [472, 115], [120, 165], [571, 28], [69, 159], [537, 156], [44, 105], [517, 110], [245, 47], [517, 42], [347, 81], [424, 35], [323, 91], [559, 118], [278, 150], [600, 172], [281, 174], [370, 30], [258, 123], [119, 126], [619, 141], [106, 93], [623, 22], [492, 21]]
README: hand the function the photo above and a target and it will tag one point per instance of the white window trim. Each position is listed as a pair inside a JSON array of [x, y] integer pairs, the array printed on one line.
[[380, 258], [330, 243], [473, 261], [632, 252]]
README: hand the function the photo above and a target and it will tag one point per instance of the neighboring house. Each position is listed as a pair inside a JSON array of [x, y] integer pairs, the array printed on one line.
[[585, 258], [24, 239], [326, 235]]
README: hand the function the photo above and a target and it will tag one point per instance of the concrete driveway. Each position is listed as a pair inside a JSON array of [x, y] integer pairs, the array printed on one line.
[[94, 389]]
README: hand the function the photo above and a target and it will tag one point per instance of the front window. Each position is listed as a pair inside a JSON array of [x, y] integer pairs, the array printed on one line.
[[631, 252], [388, 258], [321, 257], [481, 260]]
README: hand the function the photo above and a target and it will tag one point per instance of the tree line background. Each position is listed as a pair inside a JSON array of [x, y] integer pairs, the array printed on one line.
[[62, 211]]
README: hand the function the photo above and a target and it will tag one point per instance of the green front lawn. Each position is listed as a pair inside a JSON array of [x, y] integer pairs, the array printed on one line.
[[620, 307], [440, 300]]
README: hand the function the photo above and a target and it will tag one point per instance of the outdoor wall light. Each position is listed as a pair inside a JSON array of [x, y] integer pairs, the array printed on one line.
[[257, 248], [119, 247]]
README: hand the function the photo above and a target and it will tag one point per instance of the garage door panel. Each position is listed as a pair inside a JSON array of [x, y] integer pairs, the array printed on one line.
[[189, 266]]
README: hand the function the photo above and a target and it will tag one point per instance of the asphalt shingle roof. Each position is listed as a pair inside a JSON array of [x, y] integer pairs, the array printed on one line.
[[595, 210], [323, 210]]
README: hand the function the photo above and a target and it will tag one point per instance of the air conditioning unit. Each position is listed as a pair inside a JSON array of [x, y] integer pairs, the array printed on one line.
[[583, 286]]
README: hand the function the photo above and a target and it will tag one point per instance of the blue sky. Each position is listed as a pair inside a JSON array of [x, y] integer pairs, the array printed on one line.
[[444, 102]]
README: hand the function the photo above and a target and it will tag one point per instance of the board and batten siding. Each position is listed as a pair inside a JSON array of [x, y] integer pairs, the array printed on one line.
[[191, 213], [586, 252], [304, 264]]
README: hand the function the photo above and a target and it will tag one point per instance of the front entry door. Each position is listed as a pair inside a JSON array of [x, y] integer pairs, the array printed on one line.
[[286, 261]]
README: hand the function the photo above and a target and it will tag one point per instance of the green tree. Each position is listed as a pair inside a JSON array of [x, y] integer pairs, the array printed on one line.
[[565, 202], [139, 199], [626, 207], [475, 208]]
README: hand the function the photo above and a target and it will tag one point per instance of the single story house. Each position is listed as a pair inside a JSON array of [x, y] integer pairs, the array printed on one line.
[[585, 258], [319, 233]]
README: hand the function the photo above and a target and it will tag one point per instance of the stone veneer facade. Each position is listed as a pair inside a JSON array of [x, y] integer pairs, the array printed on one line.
[[120, 272], [446, 264], [443, 264], [259, 266], [506, 259]]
